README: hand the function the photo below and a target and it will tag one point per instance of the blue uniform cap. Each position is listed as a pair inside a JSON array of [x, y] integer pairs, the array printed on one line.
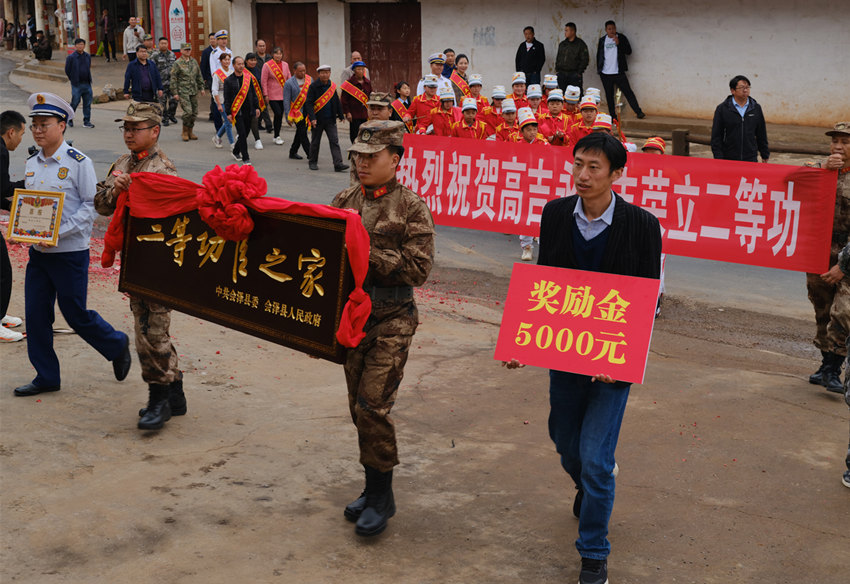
[[358, 64], [49, 104]]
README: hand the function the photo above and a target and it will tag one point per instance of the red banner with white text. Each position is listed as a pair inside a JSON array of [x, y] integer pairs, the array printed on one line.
[[769, 215]]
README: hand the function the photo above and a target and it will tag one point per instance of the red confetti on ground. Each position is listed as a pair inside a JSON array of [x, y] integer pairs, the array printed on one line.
[[38, 401]]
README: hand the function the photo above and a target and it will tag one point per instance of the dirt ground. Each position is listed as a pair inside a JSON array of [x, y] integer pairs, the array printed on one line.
[[730, 461]]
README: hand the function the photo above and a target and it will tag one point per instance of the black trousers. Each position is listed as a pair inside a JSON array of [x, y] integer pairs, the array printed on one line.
[[300, 139], [621, 81], [5, 278], [354, 128], [277, 108], [266, 118], [243, 126], [215, 115], [576, 79], [255, 127], [329, 128], [108, 47]]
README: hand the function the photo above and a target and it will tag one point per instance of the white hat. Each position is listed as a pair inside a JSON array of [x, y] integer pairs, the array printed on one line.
[[509, 106], [49, 104], [431, 81], [447, 93], [534, 91], [572, 94], [498, 92], [550, 81], [602, 122], [595, 93], [222, 34], [588, 101], [555, 95], [469, 103], [475, 79], [437, 58], [519, 77], [526, 116], [323, 68]]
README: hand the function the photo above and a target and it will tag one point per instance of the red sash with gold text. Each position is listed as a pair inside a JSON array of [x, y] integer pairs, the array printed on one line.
[[403, 112], [295, 114], [325, 98], [460, 83], [260, 100], [243, 93], [277, 71], [354, 92], [221, 75]]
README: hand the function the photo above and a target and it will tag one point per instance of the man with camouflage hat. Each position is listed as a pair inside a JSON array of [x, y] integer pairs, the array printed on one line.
[[164, 60], [186, 82], [402, 252], [829, 292], [157, 355], [379, 110]]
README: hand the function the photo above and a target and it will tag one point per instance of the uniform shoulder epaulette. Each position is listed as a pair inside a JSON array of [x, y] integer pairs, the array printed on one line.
[[76, 155]]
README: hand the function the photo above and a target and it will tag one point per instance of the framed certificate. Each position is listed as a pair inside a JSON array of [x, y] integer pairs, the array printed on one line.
[[35, 216]]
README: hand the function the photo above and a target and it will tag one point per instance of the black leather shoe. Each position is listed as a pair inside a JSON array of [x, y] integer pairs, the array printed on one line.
[[296, 157], [354, 510], [166, 122], [640, 115], [314, 166], [173, 119], [33, 389], [176, 398], [158, 411], [380, 503], [341, 168], [121, 364]]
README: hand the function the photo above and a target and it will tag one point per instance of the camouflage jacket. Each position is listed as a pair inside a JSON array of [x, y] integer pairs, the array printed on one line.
[[164, 61], [401, 231], [153, 160], [186, 77], [841, 223]]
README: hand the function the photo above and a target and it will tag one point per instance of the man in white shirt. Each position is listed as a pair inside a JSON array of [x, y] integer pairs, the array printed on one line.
[[215, 56], [611, 65], [436, 60], [133, 36]]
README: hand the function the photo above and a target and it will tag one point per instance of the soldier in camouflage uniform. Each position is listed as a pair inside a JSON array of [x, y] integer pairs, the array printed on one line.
[[157, 355], [830, 292], [186, 82], [165, 59], [402, 252]]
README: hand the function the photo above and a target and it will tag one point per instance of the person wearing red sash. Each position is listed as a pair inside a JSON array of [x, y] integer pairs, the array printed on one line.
[[555, 125], [459, 79], [469, 126], [422, 105], [222, 122], [275, 74], [443, 117], [353, 98], [241, 106], [475, 85], [492, 114], [294, 98], [252, 68], [400, 107], [588, 109], [508, 129], [518, 88], [323, 109]]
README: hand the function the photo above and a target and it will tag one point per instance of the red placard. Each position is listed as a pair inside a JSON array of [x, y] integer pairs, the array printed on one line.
[[769, 215], [582, 322]]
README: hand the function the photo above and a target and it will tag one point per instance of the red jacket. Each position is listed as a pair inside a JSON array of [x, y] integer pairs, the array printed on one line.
[[478, 130], [420, 109], [442, 121], [506, 133], [539, 139], [550, 124], [578, 131]]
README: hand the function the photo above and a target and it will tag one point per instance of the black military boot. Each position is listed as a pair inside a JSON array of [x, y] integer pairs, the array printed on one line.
[[380, 504], [832, 374], [816, 378], [158, 411], [354, 509], [176, 397]]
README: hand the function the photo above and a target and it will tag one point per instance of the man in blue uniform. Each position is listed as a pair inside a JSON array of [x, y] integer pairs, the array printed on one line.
[[60, 272]]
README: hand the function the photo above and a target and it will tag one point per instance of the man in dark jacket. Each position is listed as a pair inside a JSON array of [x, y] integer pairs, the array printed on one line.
[[206, 73], [530, 56], [611, 65], [241, 105], [595, 230], [78, 71], [573, 58], [41, 48], [739, 131], [144, 78], [323, 110]]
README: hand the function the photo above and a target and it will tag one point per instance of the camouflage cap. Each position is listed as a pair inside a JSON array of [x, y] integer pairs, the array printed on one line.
[[840, 128], [376, 135], [147, 38], [184, 46], [142, 112], [379, 98]]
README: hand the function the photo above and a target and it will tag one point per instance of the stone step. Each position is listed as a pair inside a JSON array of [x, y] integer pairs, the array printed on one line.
[[46, 73]]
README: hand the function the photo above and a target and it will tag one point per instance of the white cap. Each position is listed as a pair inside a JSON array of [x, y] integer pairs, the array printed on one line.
[[508, 106], [588, 101], [525, 116], [437, 58], [469, 103], [323, 68], [498, 92], [49, 104], [431, 81], [572, 94], [595, 93], [555, 95], [534, 91], [475, 79], [550, 81], [602, 121], [446, 93], [518, 77]]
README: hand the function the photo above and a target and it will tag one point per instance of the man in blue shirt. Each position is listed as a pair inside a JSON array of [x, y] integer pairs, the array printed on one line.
[[60, 272], [78, 71], [144, 78], [739, 131]]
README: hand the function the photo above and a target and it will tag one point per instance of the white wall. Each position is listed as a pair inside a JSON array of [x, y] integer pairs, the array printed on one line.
[[241, 27], [684, 53]]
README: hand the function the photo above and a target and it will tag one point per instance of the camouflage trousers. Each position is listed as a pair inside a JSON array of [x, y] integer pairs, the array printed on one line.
[[167, 102], [832, 312], [373, 373], [189, 104], [157, 356]]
